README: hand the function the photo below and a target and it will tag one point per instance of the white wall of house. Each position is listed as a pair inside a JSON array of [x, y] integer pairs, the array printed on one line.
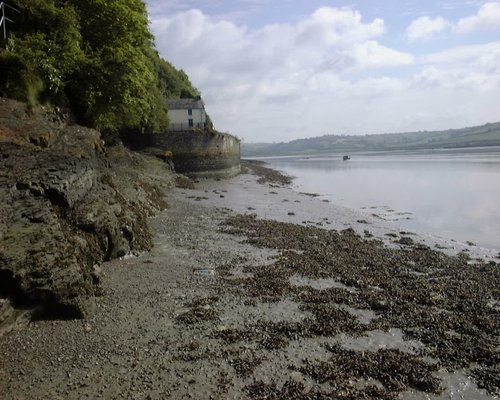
[[182, 117]]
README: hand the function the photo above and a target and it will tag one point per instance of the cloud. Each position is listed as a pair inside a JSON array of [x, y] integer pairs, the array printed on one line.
[[426, 27], [487, 17], [461, 54], [473, 68], [216, 51], [336, 26], [371, 54], [328, 72], [454, 78]]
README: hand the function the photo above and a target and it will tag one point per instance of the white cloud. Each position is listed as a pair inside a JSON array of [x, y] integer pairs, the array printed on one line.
[[337, 26], [215, 52], [426, 27], [455, 79], [328, 72], [371, 54], [487, 17], [471, 69], [461, 54]]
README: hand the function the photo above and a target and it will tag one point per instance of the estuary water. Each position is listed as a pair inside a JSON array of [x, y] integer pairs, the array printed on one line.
[[453, 194]]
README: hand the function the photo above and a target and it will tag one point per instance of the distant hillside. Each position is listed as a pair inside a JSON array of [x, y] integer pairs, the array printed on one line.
[[485, 135]]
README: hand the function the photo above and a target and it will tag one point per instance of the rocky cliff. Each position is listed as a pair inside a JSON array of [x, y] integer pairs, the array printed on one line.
[[67, 204]]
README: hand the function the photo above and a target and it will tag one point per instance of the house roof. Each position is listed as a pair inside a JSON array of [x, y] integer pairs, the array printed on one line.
[[184, 104]]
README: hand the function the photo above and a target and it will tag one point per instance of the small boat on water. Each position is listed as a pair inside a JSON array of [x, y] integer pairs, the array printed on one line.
[[346, 158]]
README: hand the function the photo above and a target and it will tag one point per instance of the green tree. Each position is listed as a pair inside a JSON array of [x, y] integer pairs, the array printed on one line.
[[95, 56], [45, 42], [117, 85], [175, 83]]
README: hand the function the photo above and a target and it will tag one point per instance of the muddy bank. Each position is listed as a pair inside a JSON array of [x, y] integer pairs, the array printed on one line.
[[68, 204], [445, 305], [265, 175], [230, 305], [275, 199]]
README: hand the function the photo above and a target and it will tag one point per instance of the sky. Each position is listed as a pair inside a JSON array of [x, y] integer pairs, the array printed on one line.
[[278, 70]]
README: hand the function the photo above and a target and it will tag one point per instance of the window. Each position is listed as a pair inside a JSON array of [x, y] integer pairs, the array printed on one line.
[[190, 111], [190, 123]]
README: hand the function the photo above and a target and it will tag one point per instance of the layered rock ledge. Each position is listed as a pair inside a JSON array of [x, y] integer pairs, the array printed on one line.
[[68, 204]]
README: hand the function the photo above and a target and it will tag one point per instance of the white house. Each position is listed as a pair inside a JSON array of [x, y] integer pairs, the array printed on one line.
[[186, 114]]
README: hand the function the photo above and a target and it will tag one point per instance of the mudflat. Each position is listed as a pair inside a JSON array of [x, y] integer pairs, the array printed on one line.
[[255, 291]]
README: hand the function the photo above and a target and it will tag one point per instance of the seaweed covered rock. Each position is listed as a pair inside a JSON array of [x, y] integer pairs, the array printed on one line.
[[68, 204]]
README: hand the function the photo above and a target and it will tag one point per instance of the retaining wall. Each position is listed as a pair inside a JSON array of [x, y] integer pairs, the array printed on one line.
[[197, 153]]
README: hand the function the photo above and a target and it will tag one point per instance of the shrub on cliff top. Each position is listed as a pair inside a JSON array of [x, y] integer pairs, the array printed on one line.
[[96, 57]]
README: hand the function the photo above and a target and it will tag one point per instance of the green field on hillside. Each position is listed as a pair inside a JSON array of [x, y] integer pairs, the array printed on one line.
[[478, 136]]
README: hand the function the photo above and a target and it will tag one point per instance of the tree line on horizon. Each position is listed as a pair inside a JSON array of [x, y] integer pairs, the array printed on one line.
[[94, 57], [477, 136]]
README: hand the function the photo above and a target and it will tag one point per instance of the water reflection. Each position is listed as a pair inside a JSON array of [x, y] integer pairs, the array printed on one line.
[[454, 194]]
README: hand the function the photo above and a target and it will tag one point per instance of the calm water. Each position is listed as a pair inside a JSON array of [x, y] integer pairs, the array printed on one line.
[[454, 194]]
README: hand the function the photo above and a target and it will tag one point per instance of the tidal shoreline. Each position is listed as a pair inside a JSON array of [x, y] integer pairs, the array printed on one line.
[[315, 210], [255, 291]]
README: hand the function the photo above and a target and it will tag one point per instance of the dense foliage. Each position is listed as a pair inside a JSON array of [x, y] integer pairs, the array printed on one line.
[[96, 57]]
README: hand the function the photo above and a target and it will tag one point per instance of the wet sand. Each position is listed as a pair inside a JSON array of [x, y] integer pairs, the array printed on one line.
[[250, 292]]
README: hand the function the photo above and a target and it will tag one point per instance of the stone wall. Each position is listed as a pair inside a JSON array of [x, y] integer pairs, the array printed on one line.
[[194, 152]]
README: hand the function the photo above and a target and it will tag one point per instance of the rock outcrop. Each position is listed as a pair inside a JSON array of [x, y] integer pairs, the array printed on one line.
[[68, 203]]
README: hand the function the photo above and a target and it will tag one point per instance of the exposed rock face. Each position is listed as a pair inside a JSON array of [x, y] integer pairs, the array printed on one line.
[[68, 203]]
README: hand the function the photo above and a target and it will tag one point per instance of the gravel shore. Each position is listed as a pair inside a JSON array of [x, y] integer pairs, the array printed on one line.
[[255, 291]]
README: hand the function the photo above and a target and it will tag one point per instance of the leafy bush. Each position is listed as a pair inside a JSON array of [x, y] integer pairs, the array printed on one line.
[[17, 80], [96, 57]]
